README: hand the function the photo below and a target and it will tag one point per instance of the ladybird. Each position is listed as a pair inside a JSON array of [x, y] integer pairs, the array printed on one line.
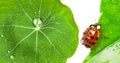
[[91, 35]]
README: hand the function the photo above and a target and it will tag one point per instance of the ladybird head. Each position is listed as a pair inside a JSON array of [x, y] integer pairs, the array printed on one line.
[[96, 25]]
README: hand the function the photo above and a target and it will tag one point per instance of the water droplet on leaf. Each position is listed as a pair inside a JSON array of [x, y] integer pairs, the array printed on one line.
[[12, 57], [37, 22], [113, 49], [8, 51], [116, 45], [2, 35]]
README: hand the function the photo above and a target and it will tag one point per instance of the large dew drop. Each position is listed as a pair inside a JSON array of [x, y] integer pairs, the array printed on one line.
[[37, 22]]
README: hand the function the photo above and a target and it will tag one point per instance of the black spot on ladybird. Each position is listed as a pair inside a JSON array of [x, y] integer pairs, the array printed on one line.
[[86, 40], [92, 43], [92, 37]]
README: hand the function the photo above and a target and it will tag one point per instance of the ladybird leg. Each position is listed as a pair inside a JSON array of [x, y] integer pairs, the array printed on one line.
[[87, 46], [82, 40], [91, 47]]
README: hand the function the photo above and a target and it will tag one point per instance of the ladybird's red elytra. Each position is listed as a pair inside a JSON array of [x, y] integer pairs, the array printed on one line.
[[91, 35]]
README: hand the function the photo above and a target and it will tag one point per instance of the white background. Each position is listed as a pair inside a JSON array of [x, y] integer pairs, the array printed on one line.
[[85, 12]]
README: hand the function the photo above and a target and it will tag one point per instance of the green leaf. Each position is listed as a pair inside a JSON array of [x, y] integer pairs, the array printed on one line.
[[36, 31], [110, 54], [110, 27]]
